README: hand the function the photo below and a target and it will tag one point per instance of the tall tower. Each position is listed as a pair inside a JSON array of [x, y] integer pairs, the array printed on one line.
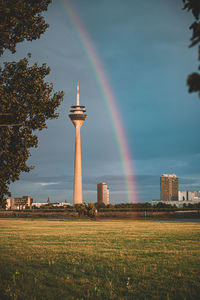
[[77, 116]]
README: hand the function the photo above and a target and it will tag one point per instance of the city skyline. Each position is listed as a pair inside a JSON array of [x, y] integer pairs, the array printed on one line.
[[147, 60]]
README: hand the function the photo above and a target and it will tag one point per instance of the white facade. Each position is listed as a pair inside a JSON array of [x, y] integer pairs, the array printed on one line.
[[182, 195], [38, 204], [186, 195]]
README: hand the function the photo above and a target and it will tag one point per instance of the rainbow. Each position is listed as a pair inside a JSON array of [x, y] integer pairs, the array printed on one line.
[[108, 96]]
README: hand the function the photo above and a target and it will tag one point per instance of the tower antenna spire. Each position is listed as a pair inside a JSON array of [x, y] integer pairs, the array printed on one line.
[[77, 95]]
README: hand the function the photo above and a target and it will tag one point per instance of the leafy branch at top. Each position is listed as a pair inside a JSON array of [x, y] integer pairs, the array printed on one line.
[[21, 20], [193, 80]]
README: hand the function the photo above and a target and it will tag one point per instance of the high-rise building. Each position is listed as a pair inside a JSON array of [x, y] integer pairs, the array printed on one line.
[[102, 193], [169, 187], [77, 116]]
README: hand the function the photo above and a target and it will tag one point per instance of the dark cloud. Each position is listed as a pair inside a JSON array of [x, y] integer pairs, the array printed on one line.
[[143, 46]]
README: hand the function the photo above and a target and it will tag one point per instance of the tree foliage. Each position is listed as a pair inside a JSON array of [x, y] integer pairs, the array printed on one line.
[[88, 210], [29, 99], [26, 100], [193, 80]]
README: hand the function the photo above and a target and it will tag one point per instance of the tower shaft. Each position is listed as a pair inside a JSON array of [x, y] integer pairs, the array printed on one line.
[[78, 164]]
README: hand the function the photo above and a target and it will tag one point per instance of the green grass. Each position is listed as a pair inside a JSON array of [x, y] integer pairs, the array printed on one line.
[[58, 259]]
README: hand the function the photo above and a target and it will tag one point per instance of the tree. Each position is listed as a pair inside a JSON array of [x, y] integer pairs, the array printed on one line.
[[80, 209], [88, 210], [100, 205], [91, 210], [26, 100], [193, 80]]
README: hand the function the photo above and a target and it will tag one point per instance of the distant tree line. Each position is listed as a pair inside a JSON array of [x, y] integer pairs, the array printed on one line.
[[91, 209], [193, 80], [144, 206]]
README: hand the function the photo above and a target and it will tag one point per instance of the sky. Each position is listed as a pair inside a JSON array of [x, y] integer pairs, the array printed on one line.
[[142, 46]]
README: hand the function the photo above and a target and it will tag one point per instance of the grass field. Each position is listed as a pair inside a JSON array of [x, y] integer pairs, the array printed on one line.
[[59, 259]]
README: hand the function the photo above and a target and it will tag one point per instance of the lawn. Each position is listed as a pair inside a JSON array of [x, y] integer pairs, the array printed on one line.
[[60, 259]]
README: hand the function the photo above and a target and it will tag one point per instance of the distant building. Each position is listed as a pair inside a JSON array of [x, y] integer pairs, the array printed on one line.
[[56, 204], [190, 195], [176, 203], [197, 195], [186, 195], [169, 187], [19, 203], [182, 195], [38, 204], [102, 193], [170, 194]]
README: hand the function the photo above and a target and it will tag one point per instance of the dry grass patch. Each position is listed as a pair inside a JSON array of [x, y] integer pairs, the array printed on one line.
[[50, 259]]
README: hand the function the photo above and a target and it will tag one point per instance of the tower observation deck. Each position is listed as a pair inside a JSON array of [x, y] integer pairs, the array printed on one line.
[[77, 115]]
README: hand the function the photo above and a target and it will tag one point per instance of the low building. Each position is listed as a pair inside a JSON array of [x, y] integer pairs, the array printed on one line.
[[19, 203], [38, 204], [60, 204]]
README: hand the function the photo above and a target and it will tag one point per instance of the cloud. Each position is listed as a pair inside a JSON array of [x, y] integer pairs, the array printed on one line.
[[47, 183], [147, 65]]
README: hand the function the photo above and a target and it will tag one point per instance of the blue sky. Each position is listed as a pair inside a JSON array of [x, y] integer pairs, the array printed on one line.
[[143, 46]]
